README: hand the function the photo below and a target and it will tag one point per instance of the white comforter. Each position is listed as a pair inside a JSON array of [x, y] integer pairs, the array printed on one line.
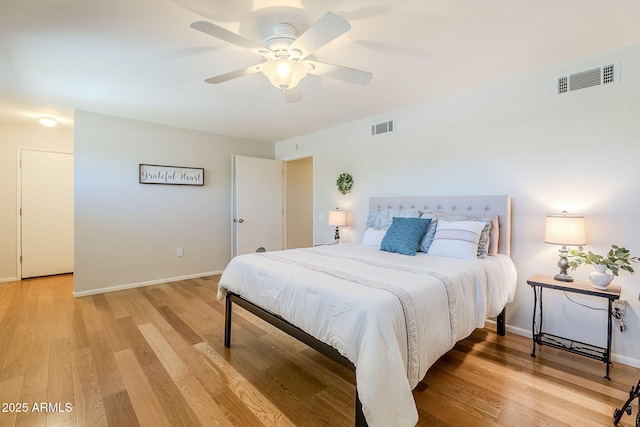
[[391, 315]]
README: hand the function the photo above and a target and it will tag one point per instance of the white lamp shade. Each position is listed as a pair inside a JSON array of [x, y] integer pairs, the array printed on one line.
[[284, 73], [565, 230], [337, 218]]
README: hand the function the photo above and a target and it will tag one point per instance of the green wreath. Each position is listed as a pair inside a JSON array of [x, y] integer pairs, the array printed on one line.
[[344, 183]]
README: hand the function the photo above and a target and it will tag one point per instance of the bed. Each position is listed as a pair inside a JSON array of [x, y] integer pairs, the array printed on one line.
[[385, 314]]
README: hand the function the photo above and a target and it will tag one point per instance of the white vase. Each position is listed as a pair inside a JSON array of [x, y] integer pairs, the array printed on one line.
[[600, 278]]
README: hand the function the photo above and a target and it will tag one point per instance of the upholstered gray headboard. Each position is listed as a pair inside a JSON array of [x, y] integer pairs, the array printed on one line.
[[459, 205]]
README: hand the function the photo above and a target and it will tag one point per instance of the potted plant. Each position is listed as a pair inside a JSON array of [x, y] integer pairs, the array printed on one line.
[[615, 260]]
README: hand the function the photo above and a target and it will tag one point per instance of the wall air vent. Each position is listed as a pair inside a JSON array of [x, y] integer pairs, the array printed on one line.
[[384, 127], [608, 74]]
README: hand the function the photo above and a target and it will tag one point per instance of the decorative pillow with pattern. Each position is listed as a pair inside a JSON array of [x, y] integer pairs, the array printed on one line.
[[488, 244], [404, 235], [457, 239]]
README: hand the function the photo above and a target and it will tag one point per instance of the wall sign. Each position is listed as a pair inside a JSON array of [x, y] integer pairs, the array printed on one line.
[[173, 175]]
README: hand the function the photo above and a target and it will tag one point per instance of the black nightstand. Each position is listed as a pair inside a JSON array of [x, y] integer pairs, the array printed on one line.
[[537, 283]]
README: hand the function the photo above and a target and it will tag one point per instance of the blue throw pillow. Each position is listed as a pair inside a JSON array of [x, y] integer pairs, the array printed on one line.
[[404, 235]]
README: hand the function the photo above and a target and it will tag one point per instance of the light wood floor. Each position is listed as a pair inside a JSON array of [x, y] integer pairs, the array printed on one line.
[[154, 356]]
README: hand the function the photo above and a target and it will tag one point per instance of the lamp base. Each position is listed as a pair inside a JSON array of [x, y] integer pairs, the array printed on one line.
[[563, 264], [563, 277]]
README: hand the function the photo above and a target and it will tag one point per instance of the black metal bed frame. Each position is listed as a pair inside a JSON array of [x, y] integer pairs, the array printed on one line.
[[309, 340]]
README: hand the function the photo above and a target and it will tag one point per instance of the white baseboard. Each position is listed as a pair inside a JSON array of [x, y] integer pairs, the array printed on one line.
[[625, 360], [8, 279], [140, 284], [519, 331]]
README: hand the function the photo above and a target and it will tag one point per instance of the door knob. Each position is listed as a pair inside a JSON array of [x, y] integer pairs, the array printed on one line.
[[241, 220]]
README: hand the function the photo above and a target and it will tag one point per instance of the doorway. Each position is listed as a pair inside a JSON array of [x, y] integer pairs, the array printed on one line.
[[299, 203]]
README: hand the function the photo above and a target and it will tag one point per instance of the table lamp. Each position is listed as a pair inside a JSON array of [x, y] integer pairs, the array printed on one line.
[[564, 230], [338, 219]]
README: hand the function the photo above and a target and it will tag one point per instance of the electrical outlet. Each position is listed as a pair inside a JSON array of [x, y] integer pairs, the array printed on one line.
[[621, 306], [178, 251]]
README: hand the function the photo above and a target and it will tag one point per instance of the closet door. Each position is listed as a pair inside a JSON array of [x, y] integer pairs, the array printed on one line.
[[46, 201]]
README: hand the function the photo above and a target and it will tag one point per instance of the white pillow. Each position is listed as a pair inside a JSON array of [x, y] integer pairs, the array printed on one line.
[[457, 239], [373, 237]]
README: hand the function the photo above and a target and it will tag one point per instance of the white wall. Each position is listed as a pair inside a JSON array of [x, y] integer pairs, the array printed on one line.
[[126, 233], [578, 153], [12, 137]]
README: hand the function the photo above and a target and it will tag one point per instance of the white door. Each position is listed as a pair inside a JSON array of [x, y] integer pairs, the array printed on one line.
[[257, 205], [46, 185]]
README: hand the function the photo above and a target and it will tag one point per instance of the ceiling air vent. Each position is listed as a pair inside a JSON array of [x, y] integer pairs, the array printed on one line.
[[384, 127], [600, 76]]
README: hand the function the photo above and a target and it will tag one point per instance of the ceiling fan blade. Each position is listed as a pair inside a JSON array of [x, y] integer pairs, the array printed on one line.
[[293, 95], [326, 29], [337, 72], [234, 74], [230, 37]]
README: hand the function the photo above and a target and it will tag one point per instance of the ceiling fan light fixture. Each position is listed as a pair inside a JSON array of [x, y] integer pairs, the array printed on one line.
[[284, 73]]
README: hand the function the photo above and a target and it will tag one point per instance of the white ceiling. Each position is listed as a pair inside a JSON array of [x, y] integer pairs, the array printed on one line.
[[140, 59]]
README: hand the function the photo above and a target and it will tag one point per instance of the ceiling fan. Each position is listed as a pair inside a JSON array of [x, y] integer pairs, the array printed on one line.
[[286, 54]]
